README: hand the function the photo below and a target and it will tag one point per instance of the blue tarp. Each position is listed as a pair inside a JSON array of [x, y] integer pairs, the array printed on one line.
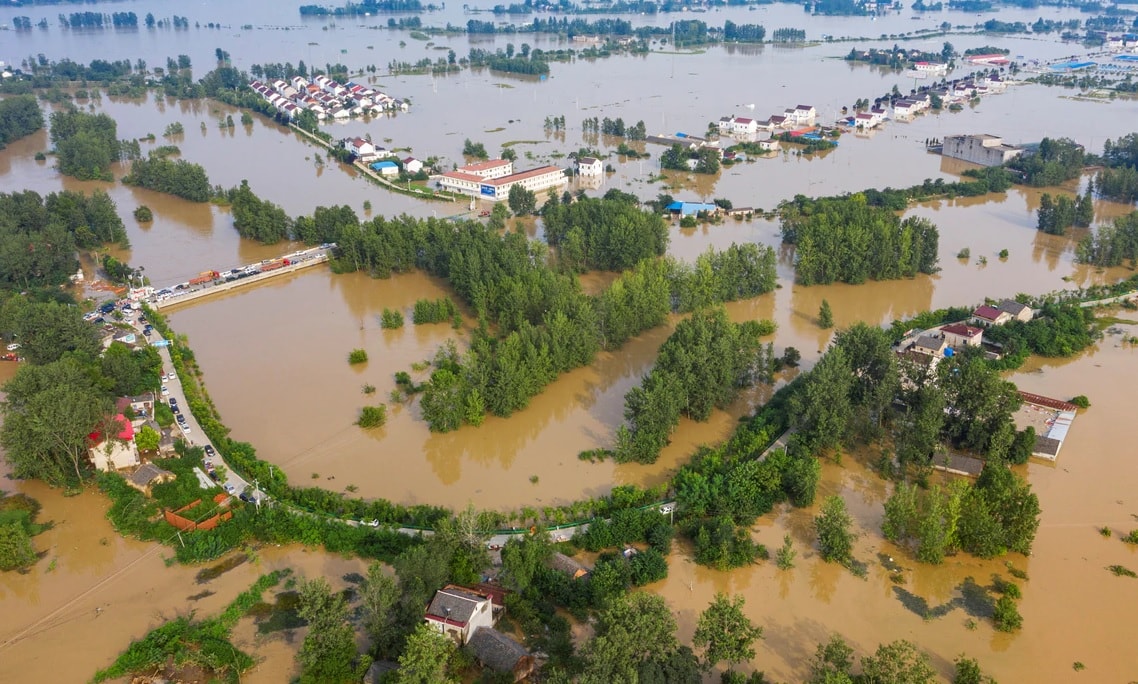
[[384, 165]]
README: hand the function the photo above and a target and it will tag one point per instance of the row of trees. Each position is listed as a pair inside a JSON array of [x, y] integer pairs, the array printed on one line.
[[40, 235], [85, 144], [606, 234], [848, 240], [180, 178], [1112, 244], [1057, 214], [434, 311], [616, 127], [701, 366], [19, 116]]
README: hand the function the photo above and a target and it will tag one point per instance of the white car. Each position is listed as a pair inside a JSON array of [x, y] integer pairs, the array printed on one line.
[[165, 377], [230, 488], [185, 428], [165, 390]]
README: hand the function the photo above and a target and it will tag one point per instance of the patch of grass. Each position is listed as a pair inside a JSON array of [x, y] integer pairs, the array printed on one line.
[[534, 479], [496, 130], [1078, 666], [595, 455], [368, 388], [1016, 572], [419, 35], [1104, 531], [1131, 538], [511, 143], [1122, 571]]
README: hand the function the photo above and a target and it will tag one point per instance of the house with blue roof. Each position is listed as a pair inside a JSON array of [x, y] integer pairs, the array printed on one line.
[[690, 208], [386, 168]]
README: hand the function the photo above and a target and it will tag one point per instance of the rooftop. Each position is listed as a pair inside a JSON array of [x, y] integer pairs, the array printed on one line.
[[1013, 307], [147, 473], [962, 329], [587, 160], [454, 604], [485, 166], [989, 313], [459, 175], [496, 650], [522, 175]]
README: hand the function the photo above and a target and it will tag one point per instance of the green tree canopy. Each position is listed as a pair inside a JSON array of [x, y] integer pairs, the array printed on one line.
[[328, 654], [725, 632]]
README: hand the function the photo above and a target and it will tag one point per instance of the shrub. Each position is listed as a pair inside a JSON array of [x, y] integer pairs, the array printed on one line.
[[1122, 571], [1006, 616], [1081, 401], [1003, 254], [391, 319], [1131, 538], [965, 253], [372, 416], [357, 356], [143, 214]]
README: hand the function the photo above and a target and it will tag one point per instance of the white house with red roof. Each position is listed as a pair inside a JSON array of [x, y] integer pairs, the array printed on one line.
[[961, 335], [989, 315], [115, 453], [457, 612]]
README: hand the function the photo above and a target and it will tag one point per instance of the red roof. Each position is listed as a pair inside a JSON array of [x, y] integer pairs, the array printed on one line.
[[126, 433], [962, 330], [743, 121], [522, 175], [988, 313]]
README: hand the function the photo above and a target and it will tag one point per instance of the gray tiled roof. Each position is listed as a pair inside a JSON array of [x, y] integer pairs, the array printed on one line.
[[495, 650], [454, 604]]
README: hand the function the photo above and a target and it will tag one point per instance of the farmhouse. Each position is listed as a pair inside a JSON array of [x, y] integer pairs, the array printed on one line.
[[983, 149], [590, 166], [458, 612]]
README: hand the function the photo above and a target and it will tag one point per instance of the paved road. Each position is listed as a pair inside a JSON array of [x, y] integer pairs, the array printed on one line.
[[195, 436]]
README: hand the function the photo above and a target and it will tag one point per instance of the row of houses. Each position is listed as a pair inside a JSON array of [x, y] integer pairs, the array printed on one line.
[[325, 98], [742, 127], [918, 102], [493, 179], [930, 346]]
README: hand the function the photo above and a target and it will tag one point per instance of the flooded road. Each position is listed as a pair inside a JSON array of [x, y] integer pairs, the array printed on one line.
[[1073, 608]]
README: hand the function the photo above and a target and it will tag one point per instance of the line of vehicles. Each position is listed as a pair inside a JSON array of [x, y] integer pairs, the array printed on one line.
[[208, 278]]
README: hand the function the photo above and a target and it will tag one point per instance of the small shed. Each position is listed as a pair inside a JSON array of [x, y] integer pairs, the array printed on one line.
[[690, 208], [386, 168], [562, 563], [147, 475], [500, 653]]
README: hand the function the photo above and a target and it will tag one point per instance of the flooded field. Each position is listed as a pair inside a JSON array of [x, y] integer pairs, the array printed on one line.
[[95, 588], [1073, 608]]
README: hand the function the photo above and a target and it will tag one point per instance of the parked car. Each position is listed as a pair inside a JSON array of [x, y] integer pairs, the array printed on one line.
[[210, 451], [230, 488], [165, 390], [247, 497]]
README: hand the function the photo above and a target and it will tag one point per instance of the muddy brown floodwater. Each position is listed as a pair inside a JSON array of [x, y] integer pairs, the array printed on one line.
[[93, 591], [1073, 608], [274, 356]]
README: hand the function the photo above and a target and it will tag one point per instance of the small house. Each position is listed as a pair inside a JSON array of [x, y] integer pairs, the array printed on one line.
[[726, 124], [962, 335], [147, 475], [361, 148], [500, 653], [742, 127], [564, 564], [458, 613], [412, 165], [989, 315], [903, 109], [590, 166], [770, 145], [930, 345], [1019, 312], [865, 121], [114, 453], [802, 114]]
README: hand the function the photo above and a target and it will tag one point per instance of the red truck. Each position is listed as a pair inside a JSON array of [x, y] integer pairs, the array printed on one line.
[[205, 277], [274, 265]]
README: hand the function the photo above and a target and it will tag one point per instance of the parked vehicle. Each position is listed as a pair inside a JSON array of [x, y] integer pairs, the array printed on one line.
[[205, 277], [247, 497], [210, 450]]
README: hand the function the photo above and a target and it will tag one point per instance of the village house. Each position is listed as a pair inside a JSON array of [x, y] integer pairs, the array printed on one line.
[[989, 315], [590, 166], [412, 165], [962, 335], [568, 566], [458, 612], [726, 124], [743, 127], [930, 345], [865, 121], [362, 149], [500, 653], [779, 121], [147, 475], [116, 453], [1019, 312], [903, 109], [802, 115], [768, 145], [933, 68]]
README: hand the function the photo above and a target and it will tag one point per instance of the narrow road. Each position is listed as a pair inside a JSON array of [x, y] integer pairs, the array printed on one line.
[[194, 435]]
